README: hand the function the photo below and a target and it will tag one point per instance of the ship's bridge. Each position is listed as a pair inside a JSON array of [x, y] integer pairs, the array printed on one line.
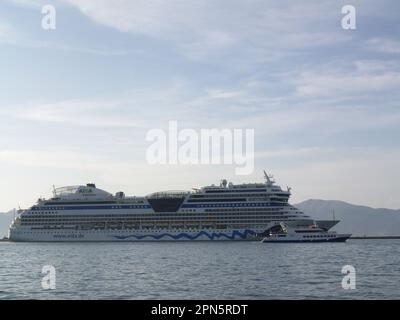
[[167, 201], [81, 193], [168, 194]]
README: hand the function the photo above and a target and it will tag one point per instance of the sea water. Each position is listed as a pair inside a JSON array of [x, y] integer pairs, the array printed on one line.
[[200, 270]]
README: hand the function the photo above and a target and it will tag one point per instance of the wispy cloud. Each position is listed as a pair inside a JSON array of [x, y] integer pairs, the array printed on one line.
[[7, 33], [384, 45], [201, 28], [82, 113], [338, 82], [27, 3], [52, 159], [139, 108], [12, 34]]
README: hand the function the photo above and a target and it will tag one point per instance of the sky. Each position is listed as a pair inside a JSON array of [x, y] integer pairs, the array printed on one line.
[[77, 102]]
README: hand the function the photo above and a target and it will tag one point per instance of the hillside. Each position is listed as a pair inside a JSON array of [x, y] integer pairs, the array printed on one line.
[[355, 219]]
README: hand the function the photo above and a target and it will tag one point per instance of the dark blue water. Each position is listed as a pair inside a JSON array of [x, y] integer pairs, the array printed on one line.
[[200, 270]]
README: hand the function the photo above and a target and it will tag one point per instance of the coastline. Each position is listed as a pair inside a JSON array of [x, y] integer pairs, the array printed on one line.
[[374, 237]]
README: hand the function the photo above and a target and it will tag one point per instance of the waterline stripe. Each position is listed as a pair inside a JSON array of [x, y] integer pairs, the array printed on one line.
[[211, 236]]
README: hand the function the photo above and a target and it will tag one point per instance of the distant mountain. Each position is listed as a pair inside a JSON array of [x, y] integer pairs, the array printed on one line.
[[5, 221], [354, 219]]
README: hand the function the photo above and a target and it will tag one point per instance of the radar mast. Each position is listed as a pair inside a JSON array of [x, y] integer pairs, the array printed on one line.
[[270, 182]]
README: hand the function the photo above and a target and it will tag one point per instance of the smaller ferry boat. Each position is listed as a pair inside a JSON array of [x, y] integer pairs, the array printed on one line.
[[288, 232]]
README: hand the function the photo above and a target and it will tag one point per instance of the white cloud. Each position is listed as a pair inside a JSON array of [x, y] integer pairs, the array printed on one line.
[[339, 83], [292, 152], [11, 34], [373, 66], [239, 107], [28, 3], [152, 18], [7, 33], [201, 28], [384, 45], [83, 113], [51, 159], [222, 94], [139, 108]]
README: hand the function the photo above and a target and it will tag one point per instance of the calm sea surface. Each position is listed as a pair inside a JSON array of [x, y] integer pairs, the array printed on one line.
[[200, 270]]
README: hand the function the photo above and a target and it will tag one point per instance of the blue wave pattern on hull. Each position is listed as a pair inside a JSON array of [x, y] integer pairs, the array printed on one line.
[[212, 236]]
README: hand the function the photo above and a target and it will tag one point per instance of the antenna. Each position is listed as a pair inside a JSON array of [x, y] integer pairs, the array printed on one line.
[[267, 178], [333, 214]]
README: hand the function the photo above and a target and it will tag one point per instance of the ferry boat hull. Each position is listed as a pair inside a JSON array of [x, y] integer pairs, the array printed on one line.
[[341, 238], [292, 232]]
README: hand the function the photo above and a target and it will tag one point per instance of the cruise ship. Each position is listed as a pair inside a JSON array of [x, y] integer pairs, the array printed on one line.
[[217, 212]]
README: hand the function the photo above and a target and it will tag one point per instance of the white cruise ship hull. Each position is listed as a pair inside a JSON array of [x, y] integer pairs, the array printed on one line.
[[27, 235]]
